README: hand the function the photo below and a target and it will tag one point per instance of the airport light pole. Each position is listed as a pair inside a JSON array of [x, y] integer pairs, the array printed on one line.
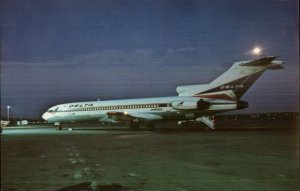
[[8, 107]]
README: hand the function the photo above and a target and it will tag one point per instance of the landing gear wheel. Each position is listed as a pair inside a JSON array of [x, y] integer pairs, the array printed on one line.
[[58, 126]]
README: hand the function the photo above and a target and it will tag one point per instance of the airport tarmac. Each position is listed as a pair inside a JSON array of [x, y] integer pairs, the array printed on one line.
[[42, 158]]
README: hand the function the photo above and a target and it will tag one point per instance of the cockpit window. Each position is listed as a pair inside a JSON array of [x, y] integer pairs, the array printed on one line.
[[53, 110]]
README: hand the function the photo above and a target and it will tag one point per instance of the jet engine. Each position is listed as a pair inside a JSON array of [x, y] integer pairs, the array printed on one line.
[[190, 104]]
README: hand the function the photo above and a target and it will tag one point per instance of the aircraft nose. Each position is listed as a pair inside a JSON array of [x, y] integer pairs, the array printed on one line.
[[46, 116]]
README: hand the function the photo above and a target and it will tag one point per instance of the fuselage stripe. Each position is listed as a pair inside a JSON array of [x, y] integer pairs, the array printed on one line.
[[113, 107]]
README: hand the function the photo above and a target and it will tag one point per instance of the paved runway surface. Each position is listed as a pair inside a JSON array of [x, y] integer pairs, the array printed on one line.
[[166, 159]]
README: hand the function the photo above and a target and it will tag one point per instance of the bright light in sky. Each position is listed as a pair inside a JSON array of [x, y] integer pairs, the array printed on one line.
[[256, 51]]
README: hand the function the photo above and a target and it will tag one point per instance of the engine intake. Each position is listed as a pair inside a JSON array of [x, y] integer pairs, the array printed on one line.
[[201, 104], [242, 104]]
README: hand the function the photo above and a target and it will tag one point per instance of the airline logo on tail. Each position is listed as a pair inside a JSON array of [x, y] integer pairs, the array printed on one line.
[[234, 86]]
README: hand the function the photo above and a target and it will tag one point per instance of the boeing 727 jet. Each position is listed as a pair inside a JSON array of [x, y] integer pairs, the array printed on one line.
[[193, 102]]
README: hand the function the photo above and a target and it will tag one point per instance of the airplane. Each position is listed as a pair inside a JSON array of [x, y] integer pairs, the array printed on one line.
[[198, 103]]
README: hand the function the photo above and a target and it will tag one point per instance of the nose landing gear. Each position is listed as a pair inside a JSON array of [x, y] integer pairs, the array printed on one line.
[[58, 126]]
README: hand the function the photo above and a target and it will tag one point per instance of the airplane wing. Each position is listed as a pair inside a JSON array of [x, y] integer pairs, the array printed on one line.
[[124, 116], [146, 116]]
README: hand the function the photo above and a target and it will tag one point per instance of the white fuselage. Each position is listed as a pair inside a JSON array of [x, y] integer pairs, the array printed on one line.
[[161, 106]]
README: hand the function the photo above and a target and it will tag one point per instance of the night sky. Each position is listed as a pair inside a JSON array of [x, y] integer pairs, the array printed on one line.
[[54, 52]]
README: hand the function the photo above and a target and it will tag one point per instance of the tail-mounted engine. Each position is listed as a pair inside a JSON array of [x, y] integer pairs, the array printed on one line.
[[190, 105], [209, 104]]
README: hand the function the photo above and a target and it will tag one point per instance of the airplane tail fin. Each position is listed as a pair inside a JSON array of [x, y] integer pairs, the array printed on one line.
[[238, 78]]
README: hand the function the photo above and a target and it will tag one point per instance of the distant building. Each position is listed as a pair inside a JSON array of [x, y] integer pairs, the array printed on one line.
[[23, 122], [4, 123]]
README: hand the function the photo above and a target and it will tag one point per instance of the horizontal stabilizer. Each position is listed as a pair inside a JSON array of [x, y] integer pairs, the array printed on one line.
[[259, 62], [268, 62]]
